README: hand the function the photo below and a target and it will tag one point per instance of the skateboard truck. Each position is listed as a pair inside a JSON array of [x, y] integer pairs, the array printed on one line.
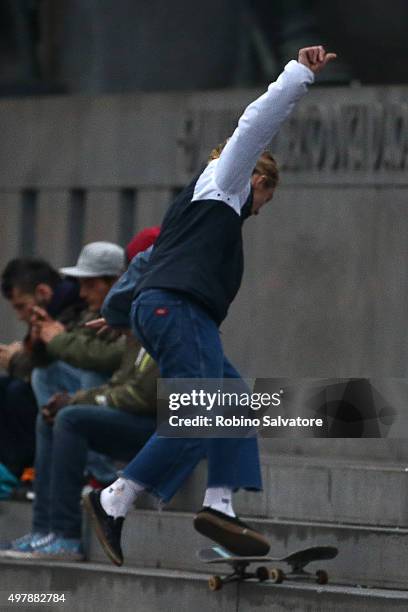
[[215, 583]]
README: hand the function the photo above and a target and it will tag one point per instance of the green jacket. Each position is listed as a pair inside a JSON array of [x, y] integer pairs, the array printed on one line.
[[83, 348], [132, 387]]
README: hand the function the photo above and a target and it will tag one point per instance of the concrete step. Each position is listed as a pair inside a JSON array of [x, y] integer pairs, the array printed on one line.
[[369, 556], [90, 587], [15, 519], [313, 489], [331, 491], [367, 449]]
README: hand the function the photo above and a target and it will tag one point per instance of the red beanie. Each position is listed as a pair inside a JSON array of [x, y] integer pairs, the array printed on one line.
[[142, 241]]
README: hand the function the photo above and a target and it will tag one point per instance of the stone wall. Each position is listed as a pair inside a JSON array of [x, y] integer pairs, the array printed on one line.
[[325, 291]]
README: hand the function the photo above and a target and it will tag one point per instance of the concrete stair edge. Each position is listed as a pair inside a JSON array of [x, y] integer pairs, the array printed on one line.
[[93, 585]]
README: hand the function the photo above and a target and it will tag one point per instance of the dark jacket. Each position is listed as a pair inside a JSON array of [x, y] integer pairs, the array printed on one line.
[[199, 253]]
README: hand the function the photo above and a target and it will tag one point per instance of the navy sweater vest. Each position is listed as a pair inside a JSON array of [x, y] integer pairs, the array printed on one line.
[[199, 252]]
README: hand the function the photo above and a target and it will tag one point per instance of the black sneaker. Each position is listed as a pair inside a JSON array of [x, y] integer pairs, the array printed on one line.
[[107, 528], [231, 533]]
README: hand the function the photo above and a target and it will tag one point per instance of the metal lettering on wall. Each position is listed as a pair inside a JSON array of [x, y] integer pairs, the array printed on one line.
[[365, 141]]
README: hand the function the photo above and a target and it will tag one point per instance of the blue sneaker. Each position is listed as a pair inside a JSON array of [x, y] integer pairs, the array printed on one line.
[[21, 548], [63, 549]]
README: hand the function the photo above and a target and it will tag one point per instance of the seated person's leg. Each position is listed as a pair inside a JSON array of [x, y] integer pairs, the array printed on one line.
[[90, 379], [43, 465], [18, 411], [21, 410], [100, 468], [76, 430], [56, 377], [23, 547], [98, 465], [60, 376]]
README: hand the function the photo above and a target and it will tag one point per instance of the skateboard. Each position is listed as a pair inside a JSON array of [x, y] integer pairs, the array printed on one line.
[[297, 561]]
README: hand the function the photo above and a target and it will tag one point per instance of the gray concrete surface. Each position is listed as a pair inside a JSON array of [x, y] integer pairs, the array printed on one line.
[[321, 490], [90, 587], [369, 555], [380, 451]]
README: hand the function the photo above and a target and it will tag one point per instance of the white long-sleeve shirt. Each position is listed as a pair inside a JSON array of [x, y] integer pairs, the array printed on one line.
[[228, 178]]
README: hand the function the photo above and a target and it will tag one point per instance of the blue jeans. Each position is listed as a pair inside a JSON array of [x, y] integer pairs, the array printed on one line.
[[60, 376], [186, 343], [63, 450]]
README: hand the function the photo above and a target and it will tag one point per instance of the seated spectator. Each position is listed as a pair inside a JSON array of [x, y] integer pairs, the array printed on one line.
[[116, 418], [27, 283], [80, 359]]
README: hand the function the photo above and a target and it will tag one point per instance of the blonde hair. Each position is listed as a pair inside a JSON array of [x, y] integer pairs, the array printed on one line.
[[266, 165]]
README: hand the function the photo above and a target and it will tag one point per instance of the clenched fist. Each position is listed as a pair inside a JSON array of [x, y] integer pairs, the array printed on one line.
[[315, 58]]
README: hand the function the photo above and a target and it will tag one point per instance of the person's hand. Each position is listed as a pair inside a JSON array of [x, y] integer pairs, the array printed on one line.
[[101, 327], [54, 405], [315, 58], [49, 330], [35, 333], [39, 315], [7, 351]]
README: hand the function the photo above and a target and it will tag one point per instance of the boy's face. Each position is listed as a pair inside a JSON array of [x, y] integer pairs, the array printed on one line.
[[94, 291], [22, 304]]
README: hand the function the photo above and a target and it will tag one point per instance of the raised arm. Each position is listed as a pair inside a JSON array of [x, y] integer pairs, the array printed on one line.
[[263, 118]]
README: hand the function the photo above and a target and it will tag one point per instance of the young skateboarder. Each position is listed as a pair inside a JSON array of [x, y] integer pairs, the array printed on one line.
[[182, 297]]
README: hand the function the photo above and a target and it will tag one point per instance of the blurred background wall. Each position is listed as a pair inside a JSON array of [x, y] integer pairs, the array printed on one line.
[[127, 45], [109, 107]]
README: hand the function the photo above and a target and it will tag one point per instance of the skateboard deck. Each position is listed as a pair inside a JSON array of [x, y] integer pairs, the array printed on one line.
[[297, 561]]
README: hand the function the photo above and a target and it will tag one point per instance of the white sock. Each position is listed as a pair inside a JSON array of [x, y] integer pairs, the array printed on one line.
[[118, 498], [219, 498]]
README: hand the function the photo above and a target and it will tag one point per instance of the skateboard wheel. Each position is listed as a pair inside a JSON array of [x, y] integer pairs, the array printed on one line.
[[214, 583], [322, 577], [276, 575], [262, 574]]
